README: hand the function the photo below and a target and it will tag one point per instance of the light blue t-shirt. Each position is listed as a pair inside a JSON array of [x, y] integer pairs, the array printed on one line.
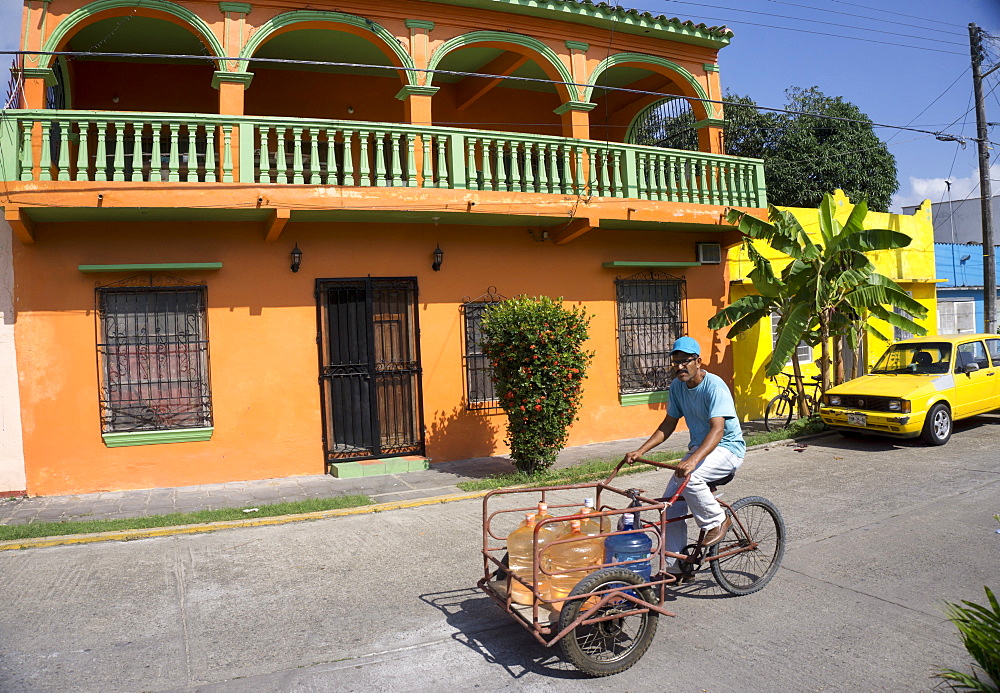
[[696, 405]]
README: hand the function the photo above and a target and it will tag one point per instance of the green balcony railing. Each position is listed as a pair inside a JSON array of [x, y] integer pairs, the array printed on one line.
[[120, 146]]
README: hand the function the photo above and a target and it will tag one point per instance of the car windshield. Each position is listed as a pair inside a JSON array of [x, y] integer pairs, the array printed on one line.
[[918, 358]]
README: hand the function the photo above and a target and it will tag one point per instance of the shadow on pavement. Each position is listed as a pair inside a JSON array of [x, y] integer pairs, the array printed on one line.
[[484, 628]]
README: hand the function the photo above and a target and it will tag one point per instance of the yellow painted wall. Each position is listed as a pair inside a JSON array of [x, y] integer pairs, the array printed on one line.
[[912, 268]]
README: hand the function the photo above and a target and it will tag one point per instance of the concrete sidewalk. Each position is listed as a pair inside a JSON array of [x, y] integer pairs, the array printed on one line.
[[439, 480]]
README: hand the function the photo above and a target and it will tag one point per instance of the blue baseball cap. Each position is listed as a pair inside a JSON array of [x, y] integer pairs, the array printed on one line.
[[687, 345]]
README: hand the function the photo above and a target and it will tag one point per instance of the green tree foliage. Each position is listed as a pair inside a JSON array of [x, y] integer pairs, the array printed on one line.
[[536, 348], [827, 290], [805, 155]]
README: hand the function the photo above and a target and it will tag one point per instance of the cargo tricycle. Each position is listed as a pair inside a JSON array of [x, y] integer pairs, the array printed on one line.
[[607, 622]]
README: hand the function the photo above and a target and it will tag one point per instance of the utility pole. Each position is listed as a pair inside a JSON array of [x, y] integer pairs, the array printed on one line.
[[989, 250]]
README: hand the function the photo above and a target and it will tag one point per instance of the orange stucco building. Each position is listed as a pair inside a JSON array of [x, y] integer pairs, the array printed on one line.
[[168, 157]]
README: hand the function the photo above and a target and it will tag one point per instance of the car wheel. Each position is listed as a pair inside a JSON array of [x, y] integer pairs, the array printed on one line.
[[937, 426]]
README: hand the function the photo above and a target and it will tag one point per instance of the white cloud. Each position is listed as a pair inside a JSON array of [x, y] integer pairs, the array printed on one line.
[[936, 189]]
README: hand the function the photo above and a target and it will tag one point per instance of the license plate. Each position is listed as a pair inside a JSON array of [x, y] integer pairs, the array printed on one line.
[[857, 419]]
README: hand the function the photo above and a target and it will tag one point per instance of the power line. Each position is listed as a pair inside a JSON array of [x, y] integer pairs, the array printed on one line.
[[812, 21], [852, 14], [626, 90]]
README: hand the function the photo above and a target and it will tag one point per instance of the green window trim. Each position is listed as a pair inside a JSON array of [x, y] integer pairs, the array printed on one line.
[[152, 267], [647, 263], [635, 398], [180, 435]]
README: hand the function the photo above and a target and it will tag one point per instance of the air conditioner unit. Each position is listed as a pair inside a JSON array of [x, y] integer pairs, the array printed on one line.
[[709, 253]]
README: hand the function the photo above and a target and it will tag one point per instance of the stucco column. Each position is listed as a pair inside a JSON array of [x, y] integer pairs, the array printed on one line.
[[417, 104], [420, 45], [13, 480], [231, 86], [710, 134], [575, 119]]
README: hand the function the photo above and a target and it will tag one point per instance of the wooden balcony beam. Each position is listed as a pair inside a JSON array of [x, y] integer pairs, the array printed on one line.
[[471, 89], [275, 224], [561, 235], [21, 223]]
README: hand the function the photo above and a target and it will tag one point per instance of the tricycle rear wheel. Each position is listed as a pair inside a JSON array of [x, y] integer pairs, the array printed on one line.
[[612, 646]]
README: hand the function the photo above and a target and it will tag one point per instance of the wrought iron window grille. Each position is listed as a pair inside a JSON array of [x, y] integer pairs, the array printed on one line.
[[651, 315], [480, 390], [153, 354]]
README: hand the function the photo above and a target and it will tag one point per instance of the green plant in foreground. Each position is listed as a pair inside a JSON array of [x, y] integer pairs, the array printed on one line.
[[535, 346], [979, 628]]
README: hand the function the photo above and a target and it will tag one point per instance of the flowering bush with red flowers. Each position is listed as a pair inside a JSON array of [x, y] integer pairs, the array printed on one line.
[[536, 349]]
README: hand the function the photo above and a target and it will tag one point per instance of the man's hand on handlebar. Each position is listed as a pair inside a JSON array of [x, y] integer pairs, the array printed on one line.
[[631, 457], [685, 467]]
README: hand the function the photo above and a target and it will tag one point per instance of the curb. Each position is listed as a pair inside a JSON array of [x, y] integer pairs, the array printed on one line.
[[133, 534]]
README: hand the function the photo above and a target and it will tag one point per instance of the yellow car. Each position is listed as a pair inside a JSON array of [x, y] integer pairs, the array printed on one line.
[[919, 387]]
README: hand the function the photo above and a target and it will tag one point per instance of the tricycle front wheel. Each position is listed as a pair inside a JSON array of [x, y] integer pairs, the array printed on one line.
[[612, 646]]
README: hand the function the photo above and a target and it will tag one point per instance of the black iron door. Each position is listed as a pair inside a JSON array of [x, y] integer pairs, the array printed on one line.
[[369, 368]]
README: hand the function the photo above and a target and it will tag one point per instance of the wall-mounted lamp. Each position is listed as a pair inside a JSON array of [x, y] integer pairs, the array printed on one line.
[[964, 258], [438, 258], [296, 258]]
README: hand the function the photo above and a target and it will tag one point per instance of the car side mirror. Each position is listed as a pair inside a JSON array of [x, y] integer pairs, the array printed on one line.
[[970, 367]]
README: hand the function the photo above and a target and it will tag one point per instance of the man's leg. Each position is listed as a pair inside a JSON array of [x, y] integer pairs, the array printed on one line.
[[698, 499]]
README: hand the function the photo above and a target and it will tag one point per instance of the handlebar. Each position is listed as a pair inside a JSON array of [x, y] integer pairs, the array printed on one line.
[[664, 465]]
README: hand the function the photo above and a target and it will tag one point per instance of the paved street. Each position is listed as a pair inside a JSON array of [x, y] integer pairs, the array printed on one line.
[[881, 534]]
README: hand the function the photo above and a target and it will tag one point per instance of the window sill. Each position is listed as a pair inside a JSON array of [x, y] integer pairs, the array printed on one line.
[[181, 435], [634, 398]]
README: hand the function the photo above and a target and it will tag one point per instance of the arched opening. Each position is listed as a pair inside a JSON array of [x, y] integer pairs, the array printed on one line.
[[665, 123], [634, 93], [124, 82], [500, 100], [330, 92]]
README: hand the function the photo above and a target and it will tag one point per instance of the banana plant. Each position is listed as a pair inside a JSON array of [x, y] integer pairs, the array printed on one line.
[[827, 289]]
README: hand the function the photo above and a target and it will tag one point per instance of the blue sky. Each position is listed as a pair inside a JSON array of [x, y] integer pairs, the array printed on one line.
[[892, 76]]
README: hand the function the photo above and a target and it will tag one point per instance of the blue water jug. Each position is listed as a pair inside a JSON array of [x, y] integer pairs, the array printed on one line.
[[629, 547]]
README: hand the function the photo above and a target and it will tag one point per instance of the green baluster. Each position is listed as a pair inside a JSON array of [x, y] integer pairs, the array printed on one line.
[[174, 162], [211, 138], [472, 170], [27, 162], [503, 181], [540, 168], [45, 166], [487, 165], [193, 169], [135, 175], [264, 140], [411, 161], [392, 140], [364, 163], [618, 189], [664, 166], [514, 175], [349, 157], [701, 180], [82, 138], [156, 156], [101, 164], [118, 156], [379, 155], [428, 146], [297, 176], [314, 164], [62, 165], [566, 175], [529, 173], [593, 162], [281, 159], [227, 153], [441, 174], [331, 157]]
